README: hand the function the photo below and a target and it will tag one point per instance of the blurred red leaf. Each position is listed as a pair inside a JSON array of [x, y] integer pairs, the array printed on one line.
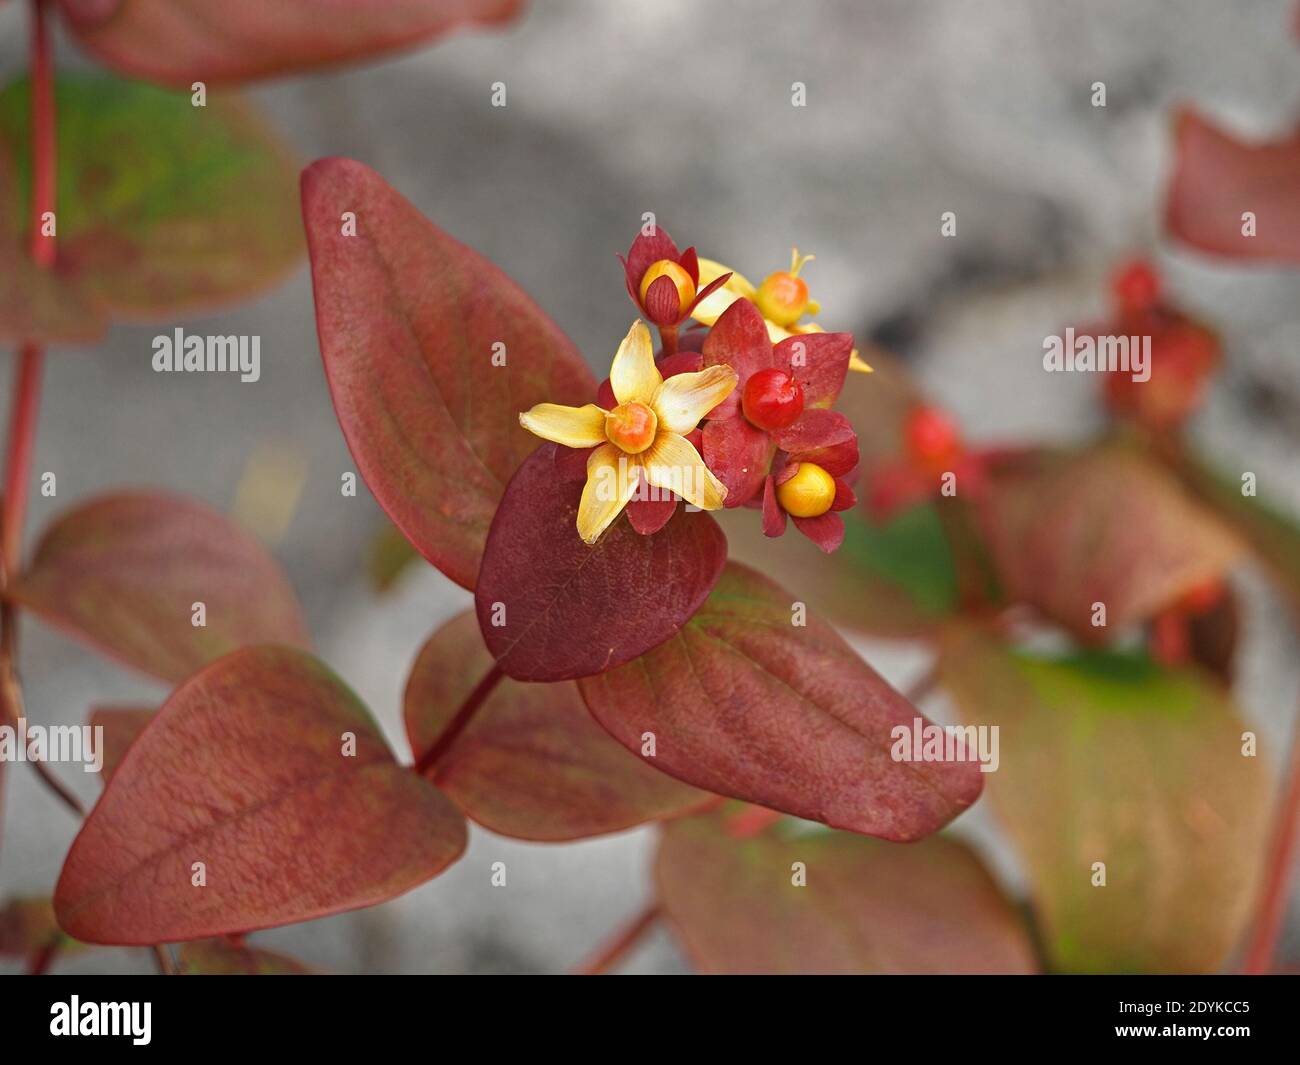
[[1217, 178], [532, 763], [1273, 535], [163, 207], [1104, 526], [746, 703], [121, 725], [867, 906], [221, 957], [554, 608], [123, 572], [177, 42], [245, 769], [1106, 757], [409, 322]]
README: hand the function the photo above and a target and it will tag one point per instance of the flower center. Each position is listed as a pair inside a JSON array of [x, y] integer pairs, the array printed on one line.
[[809, 493], [631, 427], [676, 274], [772, 399]]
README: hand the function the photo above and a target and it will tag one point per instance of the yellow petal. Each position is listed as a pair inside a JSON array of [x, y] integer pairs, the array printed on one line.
[[709, 309], [685, 398], [634, 375], [611, 479], [672, 463], [570, 426], [858, 363]]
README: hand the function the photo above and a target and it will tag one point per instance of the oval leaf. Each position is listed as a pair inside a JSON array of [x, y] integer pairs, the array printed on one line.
[[221, 957], [124, 572], [553, 608], [178, 41], [1273, 535], [409, 322], [1218, 178], [746, 703], [532, 763], [163, 207], [246, 769], [866, 906], [1105, 757], [1069, 532]]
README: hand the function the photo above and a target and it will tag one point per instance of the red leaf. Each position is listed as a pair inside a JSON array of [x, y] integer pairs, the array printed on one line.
[[408, 319], [744, 702], [532, 763], [571, 610], [866, 907], [121, 725], [1217, 177], [124, 571], [176, 42], [1068, 532], [245, 769], [221, 957]]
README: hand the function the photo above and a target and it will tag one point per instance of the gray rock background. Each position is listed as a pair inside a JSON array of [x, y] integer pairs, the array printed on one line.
[[683, 108]]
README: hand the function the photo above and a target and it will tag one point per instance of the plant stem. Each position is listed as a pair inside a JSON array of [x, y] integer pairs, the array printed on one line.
[[668, 340], [163, 956], [1279, 871], [614, 951], [458, 723]]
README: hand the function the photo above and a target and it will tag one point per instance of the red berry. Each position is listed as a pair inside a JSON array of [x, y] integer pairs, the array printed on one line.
[[931, 437], [772, 399], [1136, 286]]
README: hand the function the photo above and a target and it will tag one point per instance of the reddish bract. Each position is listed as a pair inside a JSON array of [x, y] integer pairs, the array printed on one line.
[[531, 763], [269, 772], [176, 42], [409, 322], [554, 608], [744, 703]]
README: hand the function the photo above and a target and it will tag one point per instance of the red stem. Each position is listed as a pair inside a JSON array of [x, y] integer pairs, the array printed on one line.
[[668, 340], [27, 388], [614, 951], [1279, 872], [458, 723]]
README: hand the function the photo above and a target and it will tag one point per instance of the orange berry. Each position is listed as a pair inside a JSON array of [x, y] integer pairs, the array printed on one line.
[[631, 427], [809, 493], [782, 298]]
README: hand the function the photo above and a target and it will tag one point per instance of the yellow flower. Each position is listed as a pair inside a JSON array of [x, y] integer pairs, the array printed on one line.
[[643, 437], [781, 299]]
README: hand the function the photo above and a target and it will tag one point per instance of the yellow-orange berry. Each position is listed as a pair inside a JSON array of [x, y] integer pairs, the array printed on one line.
[[782, 298], [631, 427], [676, 274], [809, 493]]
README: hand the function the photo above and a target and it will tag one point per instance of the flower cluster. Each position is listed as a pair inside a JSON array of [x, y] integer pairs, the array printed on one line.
[[1184, 352], [761, 383]]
